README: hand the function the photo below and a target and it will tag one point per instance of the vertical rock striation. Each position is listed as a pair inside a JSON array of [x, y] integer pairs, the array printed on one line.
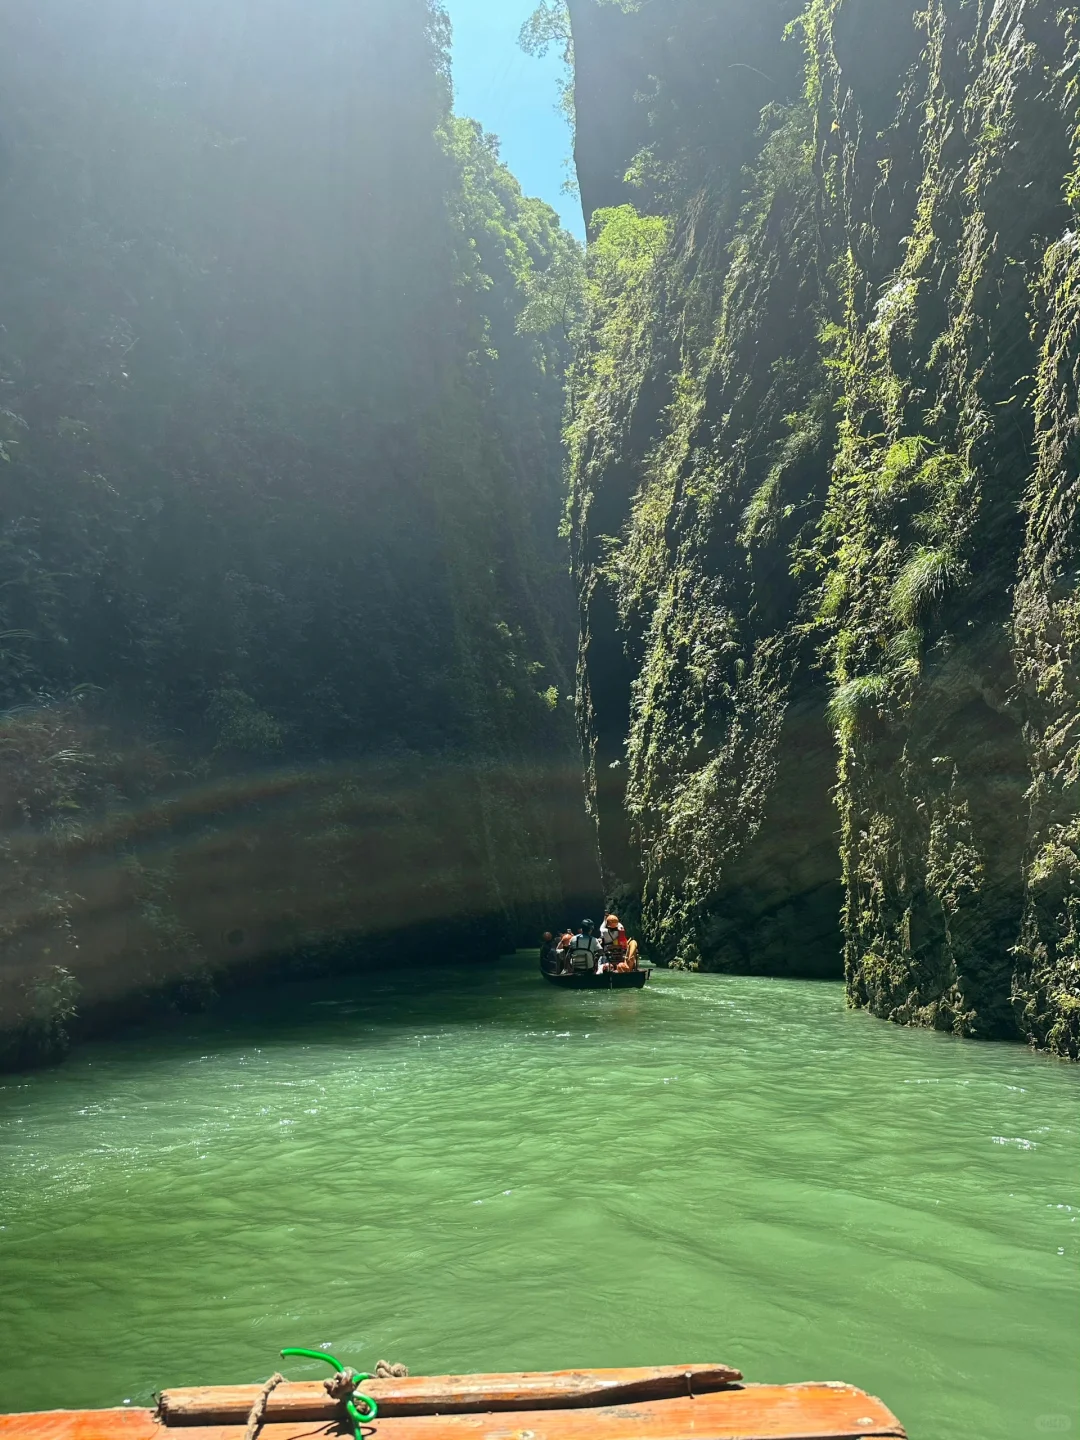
[[824, 461]]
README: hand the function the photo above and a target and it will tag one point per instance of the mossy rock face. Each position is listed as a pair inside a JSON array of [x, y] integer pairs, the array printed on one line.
[[700, 433], [1046, 988], [809, 430]]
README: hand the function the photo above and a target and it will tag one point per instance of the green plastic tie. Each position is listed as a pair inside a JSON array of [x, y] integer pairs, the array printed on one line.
[[354, 1414]]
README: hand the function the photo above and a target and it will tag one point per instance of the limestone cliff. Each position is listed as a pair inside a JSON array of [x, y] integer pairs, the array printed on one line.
[[824, 489]]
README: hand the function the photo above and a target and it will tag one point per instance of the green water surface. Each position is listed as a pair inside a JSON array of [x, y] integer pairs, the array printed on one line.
[[472, 1171]]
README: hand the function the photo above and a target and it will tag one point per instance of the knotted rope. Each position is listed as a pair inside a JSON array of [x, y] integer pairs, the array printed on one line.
[[257, 1413], [342, 1385]]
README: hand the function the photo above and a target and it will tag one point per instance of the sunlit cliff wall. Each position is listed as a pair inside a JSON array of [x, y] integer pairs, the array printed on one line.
[[824, 469]]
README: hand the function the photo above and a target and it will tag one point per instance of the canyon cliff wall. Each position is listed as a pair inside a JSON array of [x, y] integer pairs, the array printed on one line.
[[286, 636], [824, 446]]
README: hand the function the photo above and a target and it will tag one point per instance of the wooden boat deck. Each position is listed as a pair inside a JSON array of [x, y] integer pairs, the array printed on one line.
[[568, 1405]]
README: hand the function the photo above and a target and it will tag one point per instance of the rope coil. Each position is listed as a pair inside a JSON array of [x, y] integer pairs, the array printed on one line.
[[384, 1370]]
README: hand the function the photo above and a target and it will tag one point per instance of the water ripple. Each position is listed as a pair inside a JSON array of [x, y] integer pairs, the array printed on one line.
[[478, 1172]]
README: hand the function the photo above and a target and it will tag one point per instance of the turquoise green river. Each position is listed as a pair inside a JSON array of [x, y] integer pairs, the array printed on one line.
[[473, 1171]]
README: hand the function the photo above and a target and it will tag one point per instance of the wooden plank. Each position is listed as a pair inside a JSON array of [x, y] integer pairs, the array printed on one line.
[[753, 1412], [125, 1424], [452, 1394]]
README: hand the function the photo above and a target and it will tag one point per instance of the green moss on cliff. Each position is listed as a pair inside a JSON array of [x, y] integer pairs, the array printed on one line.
[[861, 343], [918, 540], [700, 428], [1046, 986]]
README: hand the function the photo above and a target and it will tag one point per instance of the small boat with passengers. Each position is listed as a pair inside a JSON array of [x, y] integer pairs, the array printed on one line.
[[585, 961], [664, 1402]]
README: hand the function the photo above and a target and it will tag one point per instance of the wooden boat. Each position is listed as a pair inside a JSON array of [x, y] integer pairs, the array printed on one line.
[[676, 1402], [609, 980]]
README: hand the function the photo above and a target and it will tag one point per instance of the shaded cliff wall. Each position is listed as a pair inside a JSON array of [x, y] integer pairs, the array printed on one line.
[[824, 471], [286, 640]]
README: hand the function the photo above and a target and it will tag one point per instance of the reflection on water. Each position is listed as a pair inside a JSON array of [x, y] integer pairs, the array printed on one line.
[[474, 1172]]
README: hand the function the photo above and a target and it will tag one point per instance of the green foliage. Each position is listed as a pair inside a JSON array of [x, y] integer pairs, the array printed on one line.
[[622, 261], [905, 652], [50, 1004], [626, 246], [852, 702], [926, 576], [555, 296], [758, 519], [549, 24], [240, 725], [693, 400], [900, 463]]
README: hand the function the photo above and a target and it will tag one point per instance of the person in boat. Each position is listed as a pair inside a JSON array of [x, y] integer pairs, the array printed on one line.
[[620, 952], [548, 959], [612, 940], [562, 951], [629, 960], [583, 952]]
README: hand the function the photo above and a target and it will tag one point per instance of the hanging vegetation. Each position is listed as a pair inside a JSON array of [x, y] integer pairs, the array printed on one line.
[[802, 450]]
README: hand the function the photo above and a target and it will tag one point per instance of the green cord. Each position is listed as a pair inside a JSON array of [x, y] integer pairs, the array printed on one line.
[[354, 1414]]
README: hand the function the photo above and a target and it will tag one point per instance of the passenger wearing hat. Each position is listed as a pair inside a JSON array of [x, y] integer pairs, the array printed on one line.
[[620, 953], [612, 943], [613, 939]]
